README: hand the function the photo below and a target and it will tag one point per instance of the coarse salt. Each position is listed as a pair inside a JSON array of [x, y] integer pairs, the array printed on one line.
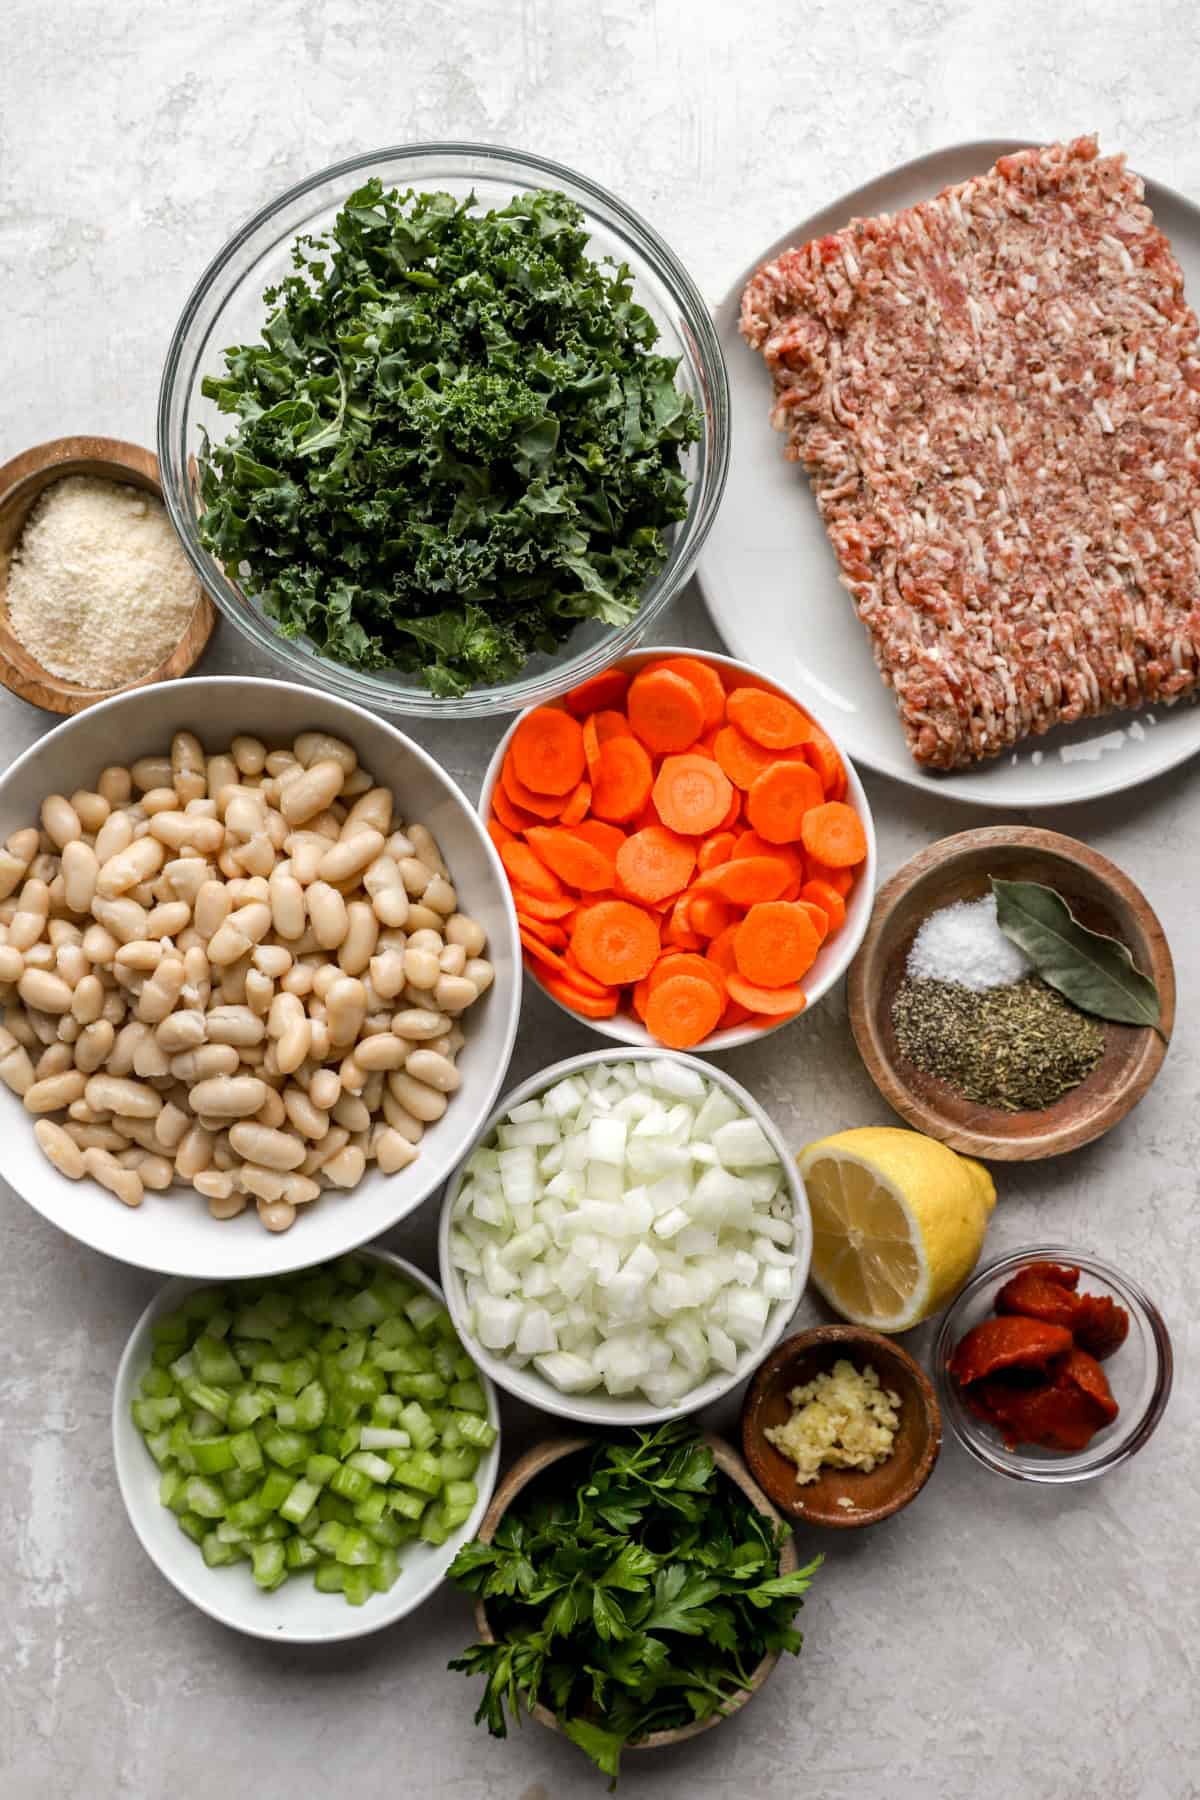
[[963, 944]]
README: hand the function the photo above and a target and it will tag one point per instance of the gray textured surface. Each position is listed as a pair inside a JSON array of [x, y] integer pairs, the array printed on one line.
[[991, 1641]]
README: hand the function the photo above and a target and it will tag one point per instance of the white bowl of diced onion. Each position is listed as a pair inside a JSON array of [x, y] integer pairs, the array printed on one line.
[[627, 1238], [294, 1613]]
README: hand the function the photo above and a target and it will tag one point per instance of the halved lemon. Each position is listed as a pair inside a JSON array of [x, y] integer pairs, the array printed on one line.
[[898, 1223]]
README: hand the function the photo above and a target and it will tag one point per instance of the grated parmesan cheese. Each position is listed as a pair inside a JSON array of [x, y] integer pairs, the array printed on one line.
[[842, 1419], [99, 589]]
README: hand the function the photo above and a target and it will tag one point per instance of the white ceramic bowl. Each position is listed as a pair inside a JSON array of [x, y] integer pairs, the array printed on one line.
[[173, 1232], [834, 958], [294, 1613], [603, 1409]]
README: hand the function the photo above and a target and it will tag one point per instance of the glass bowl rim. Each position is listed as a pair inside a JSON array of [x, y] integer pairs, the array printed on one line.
[[364, 687], [1012, 1464]]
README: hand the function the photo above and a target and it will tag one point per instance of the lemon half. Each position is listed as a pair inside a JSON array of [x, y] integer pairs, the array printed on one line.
[[898, 1223]]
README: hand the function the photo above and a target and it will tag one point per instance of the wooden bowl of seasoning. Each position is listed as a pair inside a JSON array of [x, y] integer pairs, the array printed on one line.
[[1017, 1072], [534, 1464], [843, 1498], [102, 585]]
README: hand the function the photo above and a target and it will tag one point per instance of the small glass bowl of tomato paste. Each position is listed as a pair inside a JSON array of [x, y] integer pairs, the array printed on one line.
[[1138, 1372]]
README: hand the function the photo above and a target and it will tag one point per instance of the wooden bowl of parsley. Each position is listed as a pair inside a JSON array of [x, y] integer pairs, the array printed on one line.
[[653, 1558]]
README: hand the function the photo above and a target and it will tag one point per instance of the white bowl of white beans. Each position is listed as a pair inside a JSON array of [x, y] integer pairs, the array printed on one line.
[[259, 977]]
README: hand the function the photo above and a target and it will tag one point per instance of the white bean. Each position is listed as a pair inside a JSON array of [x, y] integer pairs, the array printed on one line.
[[228, 1096], [260, 1144]]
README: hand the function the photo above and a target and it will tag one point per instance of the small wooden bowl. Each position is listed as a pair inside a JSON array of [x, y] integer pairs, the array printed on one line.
[[876, 1493], [534, 1463], [21, 483], [1101, 897]]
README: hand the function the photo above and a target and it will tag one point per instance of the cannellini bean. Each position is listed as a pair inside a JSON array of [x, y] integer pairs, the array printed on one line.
[[350, 855], [129, 867], [371, 808], [93, 1045], [92, 808], [306, 852], [168, 919], [440, 897], [352, 1113], [461, 929], [151, 772], [12, 964], [418, 1023], [437, 1071], [421, 968], [346, 1169], [308, 1119], [423, 1102], [288, 911], [260, 1144], [453, 960], [327, 911], [54, 1059], [194, 1152], [115, 835], [60, 1149], [335, 1140], [226, 1206], [124, 918], [181, 1030], [236, 1025], [60, 821], [114, 1094], [480, 974], [16, 1069], [362, 934], [272, 960], [215, 1184], [249, 755], [276, 1215], [272, 1111], [392, 1151], [49, 993], [176, 829], [103, 1167], [87, 1001], [54, 1092], [454, 993], [159, 800], [312, 792], [346, 1005], [324, 1088], [162, 990], [154, 1172], [383, 1050], [171, 1127], [228, 1096], [211, 908], [80, 870], [115, 785], [313, 747], [12, 871]]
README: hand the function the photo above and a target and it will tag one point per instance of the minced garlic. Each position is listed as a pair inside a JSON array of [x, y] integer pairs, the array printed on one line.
[[842, 1419]]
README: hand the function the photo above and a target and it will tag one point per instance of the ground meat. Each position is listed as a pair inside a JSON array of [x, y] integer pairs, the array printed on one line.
[[996, 396]]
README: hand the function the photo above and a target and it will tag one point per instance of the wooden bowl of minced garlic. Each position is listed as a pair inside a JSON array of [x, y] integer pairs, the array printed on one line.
[[96, 591], [841, 1427]]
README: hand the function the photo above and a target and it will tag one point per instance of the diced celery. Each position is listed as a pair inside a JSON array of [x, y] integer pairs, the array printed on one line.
[[362, 1385], [318, 1469], [351, 1484], [457, 1465], [159, 1445], [212, 1399], [311, 1404], [444, 1361], [434, 1528], [371, 1510], [215, 1362], [311, 1523], [300, 1555], [300, 1502], [248, 1514], [184, 1367], [421, 1386], [244, 1408], [172, 1328], [355, 1548], [421, 1472], [408, 1506], [219, 1555], [204, 1497], [219, 1323], [392, 1332], [385, 1571], [268, 1372], [353, 1353], [152, 1415], [287, 1448], [275, 1489], [372, 1466], [286, 1413], [349, 1441], [424, 1312], [214, 1455], [156, 1384], [169, 1484], [204, 1303], [247, 1451], [329, 1578], [296, 1374], [237, 1483], [329, 1537], [332, 1506], [367, 1308], [460, 1496], [270, 1566], [387, 1530], [468, 1396], [274, 1529], [204, 1424], [477, 1431], [416, 1421], [193, 1526]]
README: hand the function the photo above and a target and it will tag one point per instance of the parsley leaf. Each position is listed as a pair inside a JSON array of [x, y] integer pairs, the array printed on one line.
[[454, 441]]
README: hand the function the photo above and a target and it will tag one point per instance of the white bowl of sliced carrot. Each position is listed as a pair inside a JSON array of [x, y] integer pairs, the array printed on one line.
[[691, 855]]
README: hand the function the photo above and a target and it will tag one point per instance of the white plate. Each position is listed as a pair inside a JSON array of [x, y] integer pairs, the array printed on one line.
[[770, 578], [294, 1613]]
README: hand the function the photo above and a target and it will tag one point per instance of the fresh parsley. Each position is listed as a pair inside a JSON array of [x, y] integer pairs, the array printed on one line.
[[454, 441], [630, 1591]]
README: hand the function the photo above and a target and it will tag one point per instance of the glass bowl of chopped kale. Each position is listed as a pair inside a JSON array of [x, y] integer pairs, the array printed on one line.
[[444, 428]]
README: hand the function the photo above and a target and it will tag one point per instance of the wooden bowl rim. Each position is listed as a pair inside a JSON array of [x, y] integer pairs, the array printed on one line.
[[551, 1450], [864, 984], [879, 1348], [53, 693]]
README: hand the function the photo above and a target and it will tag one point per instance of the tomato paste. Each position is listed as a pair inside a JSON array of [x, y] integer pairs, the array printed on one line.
[[1033, 1371]]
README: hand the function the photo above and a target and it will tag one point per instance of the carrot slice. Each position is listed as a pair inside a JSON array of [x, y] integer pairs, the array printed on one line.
[[708, 917], [638, 997], [500, 834], [776, 1003], [723, 951], [537, 906], [677, 931], [746, 879], [743, 760], [686, 962], [542, 806], [598, 728], [665, 711], [553, 936], [715, 849], [581, 979], [735, 810], [622, 780], [820, 893], [606, 689], [654, 864], [547, 751], [515, 817], [615, 941], [542, 953], [733, 1016], [840, 880], [691, 794], [749, 843], [683, 1010], [767, 718], [775, 944], [779, 799], [821, 751], [834, 834], [607, 838], [575, 861], [819, 917], [529, 871], [704, 679], [587, 1005], [577, 805]]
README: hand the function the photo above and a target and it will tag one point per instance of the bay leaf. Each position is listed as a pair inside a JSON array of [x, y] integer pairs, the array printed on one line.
[[1095, 972]]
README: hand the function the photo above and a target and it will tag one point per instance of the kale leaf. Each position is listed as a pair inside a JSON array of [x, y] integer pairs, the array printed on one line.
[[631, 1593], [454, 440]]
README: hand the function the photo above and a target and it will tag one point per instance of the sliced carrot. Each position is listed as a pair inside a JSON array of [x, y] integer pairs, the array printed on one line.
[[500, 834], [691, 793], [733, 1016], [775, 944], [537, 906], [654, 864], [704, 679], [585, 1004], [768, 718], [779, 799], [581, 979], [543, 806], [547, 751], [598, 728], [685, 962], [822, 894], [735, 810], [821, 751], [553, 936], [575, 861], [515, 817], [683, 1010], [722, 950], [715, 849], [746, 880], [749, 843], [680, 936], [834, 834], [709, 917], [776, 1003], [529, 871], [622, 780], [743, 760], [840, 880], [542, 953], [818, 915], [665, 710], [577, 805], [648, 816], [615, 941], [639, 997], [608, 838], [600, 691]]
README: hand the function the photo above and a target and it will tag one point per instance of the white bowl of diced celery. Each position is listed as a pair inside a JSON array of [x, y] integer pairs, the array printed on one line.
[[303, 1457], [627, 1238]]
